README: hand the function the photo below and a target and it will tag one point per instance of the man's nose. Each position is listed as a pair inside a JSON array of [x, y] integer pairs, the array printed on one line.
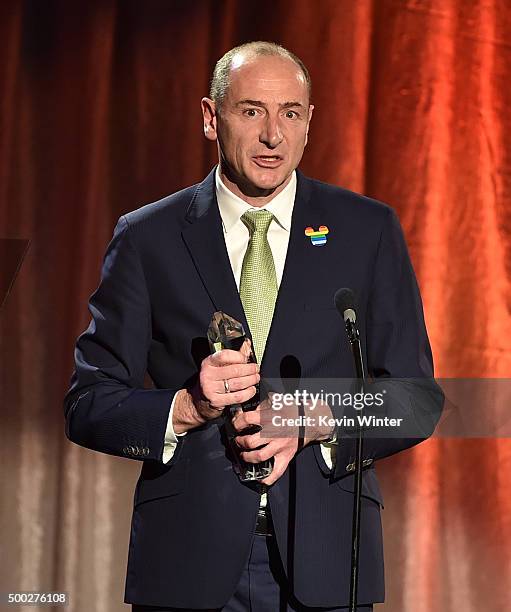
[[271, 134]]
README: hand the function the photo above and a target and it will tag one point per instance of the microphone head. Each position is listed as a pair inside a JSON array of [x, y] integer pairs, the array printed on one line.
[[344, 300]]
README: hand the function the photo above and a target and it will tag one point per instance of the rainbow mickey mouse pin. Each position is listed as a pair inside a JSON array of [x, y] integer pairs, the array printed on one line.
[[318, 238]]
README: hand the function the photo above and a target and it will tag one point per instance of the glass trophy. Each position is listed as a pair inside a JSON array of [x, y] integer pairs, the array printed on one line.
[[224, 332]]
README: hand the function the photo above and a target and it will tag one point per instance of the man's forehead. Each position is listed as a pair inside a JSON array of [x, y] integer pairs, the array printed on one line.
[[270, 74]]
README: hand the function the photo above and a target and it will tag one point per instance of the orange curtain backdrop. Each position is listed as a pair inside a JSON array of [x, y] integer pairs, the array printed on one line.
[[99, 114]]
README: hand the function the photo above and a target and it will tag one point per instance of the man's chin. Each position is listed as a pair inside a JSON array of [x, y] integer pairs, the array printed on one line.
[[269, 181]]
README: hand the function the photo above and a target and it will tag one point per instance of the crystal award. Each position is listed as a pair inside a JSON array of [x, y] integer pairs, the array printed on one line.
[[224, 332]]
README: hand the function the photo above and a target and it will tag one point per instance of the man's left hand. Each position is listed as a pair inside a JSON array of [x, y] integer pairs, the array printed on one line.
[[280, 442]]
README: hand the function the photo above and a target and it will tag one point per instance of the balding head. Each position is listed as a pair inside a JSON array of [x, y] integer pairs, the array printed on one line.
[[243, 54]]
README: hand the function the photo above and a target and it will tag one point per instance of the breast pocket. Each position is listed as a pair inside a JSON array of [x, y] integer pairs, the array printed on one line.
[[158, 480]]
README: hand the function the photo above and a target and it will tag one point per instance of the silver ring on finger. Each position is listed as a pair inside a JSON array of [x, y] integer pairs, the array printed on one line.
[[226, 386]]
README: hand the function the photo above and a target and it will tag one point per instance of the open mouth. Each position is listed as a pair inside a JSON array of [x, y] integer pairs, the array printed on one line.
[[268, 161]]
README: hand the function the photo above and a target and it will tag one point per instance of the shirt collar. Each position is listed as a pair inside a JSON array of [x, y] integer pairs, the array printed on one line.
[[233, 207]]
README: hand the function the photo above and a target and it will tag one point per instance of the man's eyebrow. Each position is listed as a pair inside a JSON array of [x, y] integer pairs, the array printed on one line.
[[250, 102], [290, 104]]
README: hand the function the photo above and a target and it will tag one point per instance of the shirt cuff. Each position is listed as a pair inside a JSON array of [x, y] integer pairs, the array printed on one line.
[[329, 450], [171, 437]]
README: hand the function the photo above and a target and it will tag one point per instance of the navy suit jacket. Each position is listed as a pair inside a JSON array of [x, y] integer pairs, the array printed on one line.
[[166, 271]]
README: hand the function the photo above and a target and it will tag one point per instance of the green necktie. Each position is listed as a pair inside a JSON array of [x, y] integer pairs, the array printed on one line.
[[258, 283]]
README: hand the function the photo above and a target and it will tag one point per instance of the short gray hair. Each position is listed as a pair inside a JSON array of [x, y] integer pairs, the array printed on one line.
[[221, 74]]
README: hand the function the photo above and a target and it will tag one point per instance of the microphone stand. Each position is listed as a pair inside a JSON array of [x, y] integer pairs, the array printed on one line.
[[354, 340]]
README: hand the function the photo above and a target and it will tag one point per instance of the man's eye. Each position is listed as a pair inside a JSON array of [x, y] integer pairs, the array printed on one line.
[[291, 114], [250, 112]]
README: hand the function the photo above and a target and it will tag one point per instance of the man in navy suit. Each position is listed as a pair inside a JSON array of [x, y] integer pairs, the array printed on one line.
[[202, 539]]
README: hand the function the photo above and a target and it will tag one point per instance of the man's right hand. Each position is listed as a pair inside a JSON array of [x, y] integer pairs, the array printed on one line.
[[225, 378]]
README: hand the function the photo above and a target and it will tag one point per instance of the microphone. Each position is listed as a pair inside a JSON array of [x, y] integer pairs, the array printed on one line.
[[344, 300]]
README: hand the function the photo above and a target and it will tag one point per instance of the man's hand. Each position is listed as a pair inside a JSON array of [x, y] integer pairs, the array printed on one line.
[[279, 442], [225, 378]]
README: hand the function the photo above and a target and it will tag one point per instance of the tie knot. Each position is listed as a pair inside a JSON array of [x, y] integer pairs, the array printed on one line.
[[257, 221]]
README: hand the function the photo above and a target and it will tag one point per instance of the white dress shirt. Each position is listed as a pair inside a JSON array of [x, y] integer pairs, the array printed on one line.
[[236, 237]]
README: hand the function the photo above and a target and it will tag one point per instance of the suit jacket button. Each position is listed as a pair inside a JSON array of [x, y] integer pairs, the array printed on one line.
[[131, 450], [125, 450], [146, 451]]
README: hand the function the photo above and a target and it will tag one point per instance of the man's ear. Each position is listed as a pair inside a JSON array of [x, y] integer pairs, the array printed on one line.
[[210, 118], [311, 108]]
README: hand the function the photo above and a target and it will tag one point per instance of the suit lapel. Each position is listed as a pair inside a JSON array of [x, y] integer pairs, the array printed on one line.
[[204, 238], [293, 286]]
